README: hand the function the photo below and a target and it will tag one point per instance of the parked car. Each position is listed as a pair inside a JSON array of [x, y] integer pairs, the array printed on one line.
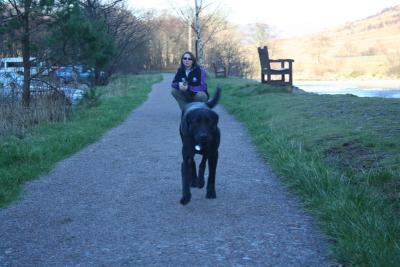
[[66, 73], [82, 71], [73, 94], [73, 73], [11, 80]]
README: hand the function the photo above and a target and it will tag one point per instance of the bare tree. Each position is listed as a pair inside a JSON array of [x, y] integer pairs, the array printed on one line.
[[167, 41], [130, 33], [206, 21], [263, 34], [320, 46], [198, 31], [227, 50], [393, 66]]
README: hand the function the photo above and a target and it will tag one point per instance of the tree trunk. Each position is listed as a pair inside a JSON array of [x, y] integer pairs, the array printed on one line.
[[26, 53], [189, 37], [97, 76], [199, 43]]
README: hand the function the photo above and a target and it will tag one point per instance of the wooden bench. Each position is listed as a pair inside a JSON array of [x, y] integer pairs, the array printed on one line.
[[219, 70], [268, 70]]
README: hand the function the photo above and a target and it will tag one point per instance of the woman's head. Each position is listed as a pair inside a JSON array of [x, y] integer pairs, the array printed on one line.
[[188, 60]]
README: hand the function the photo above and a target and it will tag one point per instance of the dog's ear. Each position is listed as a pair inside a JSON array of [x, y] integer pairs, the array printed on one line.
[[185, 124], [214, 118]]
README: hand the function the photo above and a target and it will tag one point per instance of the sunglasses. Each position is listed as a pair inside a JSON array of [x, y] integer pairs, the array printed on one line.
[[186, 58]]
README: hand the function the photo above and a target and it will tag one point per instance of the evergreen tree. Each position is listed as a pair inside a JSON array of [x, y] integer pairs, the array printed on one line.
[[83, 40], [21, 23]]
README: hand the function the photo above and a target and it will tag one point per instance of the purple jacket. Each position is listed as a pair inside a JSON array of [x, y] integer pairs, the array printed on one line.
[[196, 79]]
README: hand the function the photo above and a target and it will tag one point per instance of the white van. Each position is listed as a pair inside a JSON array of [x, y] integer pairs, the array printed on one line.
[[15, 65]]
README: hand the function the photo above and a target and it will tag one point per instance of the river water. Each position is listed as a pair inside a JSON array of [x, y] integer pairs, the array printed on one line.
[[371, 88]]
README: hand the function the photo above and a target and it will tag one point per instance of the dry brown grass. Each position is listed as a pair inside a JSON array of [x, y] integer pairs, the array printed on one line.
[[15, 119]]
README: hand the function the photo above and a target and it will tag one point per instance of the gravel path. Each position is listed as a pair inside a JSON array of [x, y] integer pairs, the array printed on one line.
[[116, 203]]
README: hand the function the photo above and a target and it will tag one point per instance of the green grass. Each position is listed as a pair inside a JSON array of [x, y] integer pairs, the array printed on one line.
[[23, 159], [340, 154]]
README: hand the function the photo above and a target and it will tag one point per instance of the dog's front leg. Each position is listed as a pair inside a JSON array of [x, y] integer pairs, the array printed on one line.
[[186, 181], [193, 182], [212, 167], [202, 168]]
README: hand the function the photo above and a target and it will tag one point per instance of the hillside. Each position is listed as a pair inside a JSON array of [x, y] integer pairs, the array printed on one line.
[[366, 48]]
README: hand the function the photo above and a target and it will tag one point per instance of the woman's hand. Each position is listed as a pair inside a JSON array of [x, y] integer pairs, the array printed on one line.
[[183, 86]]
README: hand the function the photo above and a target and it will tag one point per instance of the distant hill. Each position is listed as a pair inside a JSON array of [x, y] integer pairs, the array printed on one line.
[[367, 48]]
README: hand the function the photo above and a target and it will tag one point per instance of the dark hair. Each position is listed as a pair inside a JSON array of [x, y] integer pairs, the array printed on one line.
[[194, 60]]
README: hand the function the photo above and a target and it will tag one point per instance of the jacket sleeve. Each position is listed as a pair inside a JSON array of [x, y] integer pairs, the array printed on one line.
[[203, 84], [175, 81]]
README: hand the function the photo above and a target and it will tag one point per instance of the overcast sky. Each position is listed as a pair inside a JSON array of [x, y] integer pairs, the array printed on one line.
[[288, 17]]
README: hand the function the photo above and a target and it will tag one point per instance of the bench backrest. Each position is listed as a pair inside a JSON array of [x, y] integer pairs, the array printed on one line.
[[219, 69], [264, 57]]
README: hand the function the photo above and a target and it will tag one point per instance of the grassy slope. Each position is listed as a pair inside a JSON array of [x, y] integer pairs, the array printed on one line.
[[25, 159], [339, 153]]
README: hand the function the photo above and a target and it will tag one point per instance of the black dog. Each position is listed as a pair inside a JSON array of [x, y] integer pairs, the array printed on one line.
[[200, 134]]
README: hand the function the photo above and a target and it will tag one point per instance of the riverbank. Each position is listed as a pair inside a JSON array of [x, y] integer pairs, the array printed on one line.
[[339, 153], [361, 88], [368, 83]]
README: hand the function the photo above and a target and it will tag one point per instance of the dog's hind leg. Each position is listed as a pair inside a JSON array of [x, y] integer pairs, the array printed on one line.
[[212, 168], [202, 168]]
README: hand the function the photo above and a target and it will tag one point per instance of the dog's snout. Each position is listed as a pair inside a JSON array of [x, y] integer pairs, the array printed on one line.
[[203, 137]]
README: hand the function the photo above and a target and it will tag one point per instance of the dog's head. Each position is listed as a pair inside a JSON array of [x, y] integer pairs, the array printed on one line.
[[201, 124], [199, 120]]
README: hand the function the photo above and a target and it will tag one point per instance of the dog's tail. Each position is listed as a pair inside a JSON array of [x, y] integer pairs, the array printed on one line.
[[213, 101]]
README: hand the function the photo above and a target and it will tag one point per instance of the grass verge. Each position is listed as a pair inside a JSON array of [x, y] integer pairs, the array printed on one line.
[[22, 159], [340, 154]]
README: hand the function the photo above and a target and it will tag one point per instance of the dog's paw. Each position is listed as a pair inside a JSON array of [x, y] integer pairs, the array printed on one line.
[[185, 200], [194, 181], [211, 194], [200, 183]]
